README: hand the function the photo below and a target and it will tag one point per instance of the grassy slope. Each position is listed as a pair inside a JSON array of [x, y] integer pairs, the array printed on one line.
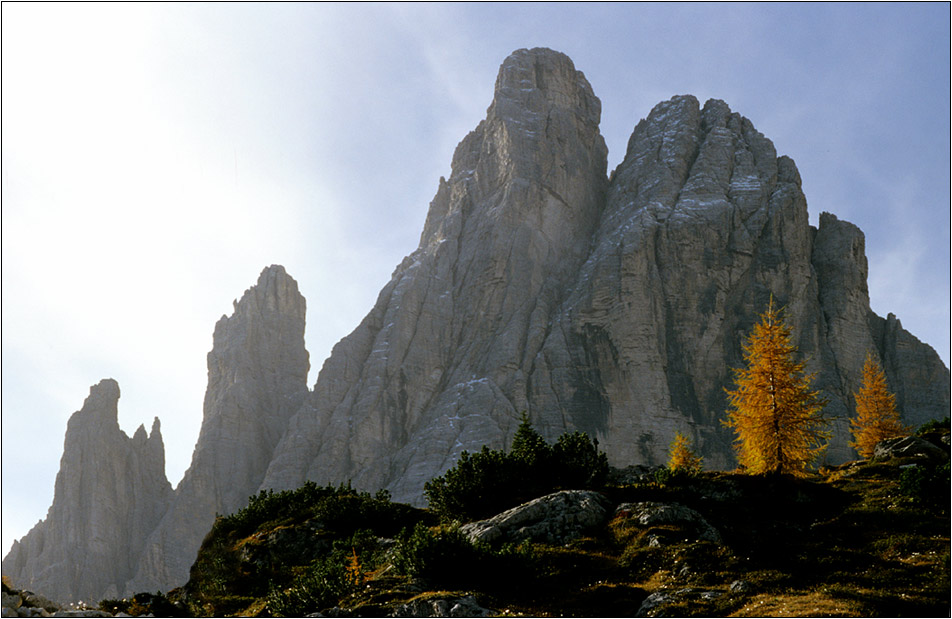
[[843, 543]]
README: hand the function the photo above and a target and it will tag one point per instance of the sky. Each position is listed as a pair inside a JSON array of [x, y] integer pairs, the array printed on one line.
[[156, 157]]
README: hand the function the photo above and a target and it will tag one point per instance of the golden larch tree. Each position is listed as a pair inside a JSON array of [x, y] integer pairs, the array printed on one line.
[[876, 416], [774, 412], [682, 457]]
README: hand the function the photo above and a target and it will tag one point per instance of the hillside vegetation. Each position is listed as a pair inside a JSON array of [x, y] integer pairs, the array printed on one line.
[[869, 538]]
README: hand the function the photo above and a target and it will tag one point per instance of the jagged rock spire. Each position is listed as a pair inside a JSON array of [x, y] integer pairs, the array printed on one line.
[[439, 364], [257, 378], [110, 493]]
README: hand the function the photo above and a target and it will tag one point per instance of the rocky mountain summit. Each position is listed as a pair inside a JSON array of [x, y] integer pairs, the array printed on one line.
[[257, 379], [612, 304], [111, 492]]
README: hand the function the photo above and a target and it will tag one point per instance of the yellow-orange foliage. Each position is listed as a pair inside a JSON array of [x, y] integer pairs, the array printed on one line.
[[682, 457], [876, 416], [773, 410], [355, 574]]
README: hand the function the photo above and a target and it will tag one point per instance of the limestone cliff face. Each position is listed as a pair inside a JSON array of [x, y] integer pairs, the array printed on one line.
[[257, 378], [702, 225], [618, 307], [442, 361], [110, 493]]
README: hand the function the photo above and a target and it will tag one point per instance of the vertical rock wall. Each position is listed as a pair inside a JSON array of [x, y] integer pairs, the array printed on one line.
[[442, 361], [257, 378], [111, 492]]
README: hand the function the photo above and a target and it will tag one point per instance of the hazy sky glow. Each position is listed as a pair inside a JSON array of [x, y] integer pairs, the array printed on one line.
[[157, 156]]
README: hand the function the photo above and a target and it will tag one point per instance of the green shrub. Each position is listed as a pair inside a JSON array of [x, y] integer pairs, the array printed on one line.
[[675, 477], [322, 585], [935, 425], [341, 509], [927, 485], [439, 556], [578, 463], [262, 549], [490, 481], [326, 581], [446, 558]]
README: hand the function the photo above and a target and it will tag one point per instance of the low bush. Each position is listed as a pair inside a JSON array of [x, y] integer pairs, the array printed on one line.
[[326, 581], [927, 485], [290, 546], [936, 425], [340, 508], [446, 558], [489, 481], [322, 585]]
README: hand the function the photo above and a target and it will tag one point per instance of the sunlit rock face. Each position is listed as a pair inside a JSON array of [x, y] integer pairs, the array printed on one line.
[[442, 362], [111, 491], [703, 223], [615, 307], [257, 378]]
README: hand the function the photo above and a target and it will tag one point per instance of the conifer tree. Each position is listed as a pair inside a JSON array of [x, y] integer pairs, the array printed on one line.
[[528, 445], [773, 410], [681, 457], [876, 416]]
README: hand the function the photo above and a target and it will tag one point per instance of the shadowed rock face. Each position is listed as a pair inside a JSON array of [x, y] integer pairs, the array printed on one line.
[[614, 305], [111, 492], [257, 378], [442, 362]]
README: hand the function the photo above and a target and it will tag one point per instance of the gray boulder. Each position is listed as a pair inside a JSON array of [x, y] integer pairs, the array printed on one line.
[[909, 447], [654, 604], [650, 514], [449, 607], [553, 519]]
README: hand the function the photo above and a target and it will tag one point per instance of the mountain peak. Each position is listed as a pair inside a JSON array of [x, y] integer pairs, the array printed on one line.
[[532, 82], [100, 408], [541, 287]]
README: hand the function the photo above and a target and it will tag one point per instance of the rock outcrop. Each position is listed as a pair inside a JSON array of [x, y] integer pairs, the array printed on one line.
[[679, 522], [552, 519], [910, 447], [111, 491], [257, 378]]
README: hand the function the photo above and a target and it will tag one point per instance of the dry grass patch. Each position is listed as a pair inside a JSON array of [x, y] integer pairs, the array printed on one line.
[[811, 604]]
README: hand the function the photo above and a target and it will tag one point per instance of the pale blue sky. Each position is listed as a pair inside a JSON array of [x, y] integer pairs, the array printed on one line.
[[157, 156]]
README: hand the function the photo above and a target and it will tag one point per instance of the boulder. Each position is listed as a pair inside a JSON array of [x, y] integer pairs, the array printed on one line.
[[450, 607], [653, 606], [649, 514], [909, 447], [553, 519]]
